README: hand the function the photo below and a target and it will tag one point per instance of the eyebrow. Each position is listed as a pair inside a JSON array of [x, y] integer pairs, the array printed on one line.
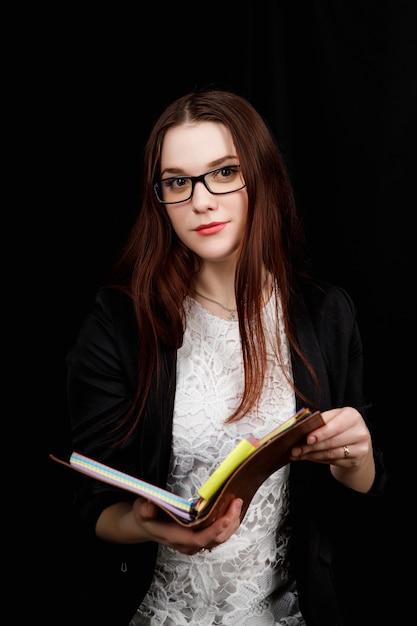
[[172, 171]]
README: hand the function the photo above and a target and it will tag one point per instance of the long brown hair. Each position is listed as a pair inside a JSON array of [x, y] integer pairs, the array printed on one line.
[[157, 270]]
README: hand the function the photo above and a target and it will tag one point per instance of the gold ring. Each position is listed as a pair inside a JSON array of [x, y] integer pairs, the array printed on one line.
[[346, 451]]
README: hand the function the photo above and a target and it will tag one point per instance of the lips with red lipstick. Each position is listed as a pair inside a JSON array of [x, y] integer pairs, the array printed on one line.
[[210, 229]]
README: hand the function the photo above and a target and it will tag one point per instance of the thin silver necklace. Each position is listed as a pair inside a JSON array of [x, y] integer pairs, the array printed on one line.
[[232, 312]]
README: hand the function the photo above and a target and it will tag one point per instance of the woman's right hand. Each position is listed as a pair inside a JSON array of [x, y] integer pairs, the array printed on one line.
[[127, 522]]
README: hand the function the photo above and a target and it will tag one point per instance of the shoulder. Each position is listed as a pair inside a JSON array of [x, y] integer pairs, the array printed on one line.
[[114, 304], [112, 314], [324, 318], [324, 302], [108, 333], [325, 295]]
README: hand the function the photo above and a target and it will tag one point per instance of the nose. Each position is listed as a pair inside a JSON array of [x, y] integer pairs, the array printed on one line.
[[202, 199]]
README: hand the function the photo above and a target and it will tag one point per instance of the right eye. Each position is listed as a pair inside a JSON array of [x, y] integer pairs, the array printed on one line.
[[180, 182], [177, 183]]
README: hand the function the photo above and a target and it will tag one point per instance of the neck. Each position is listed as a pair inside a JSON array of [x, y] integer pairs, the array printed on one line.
[[218, 283], [230, 311]]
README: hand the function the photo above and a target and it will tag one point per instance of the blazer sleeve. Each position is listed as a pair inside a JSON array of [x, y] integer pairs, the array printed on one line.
[[102, 369], [329, 520]]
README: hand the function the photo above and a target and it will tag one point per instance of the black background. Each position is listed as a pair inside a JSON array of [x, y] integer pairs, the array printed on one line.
[[337, 84]]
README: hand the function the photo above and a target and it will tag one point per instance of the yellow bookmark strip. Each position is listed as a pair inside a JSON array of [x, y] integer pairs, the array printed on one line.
[[243, 449]]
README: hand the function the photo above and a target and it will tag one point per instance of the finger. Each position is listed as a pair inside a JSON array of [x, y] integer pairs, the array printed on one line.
[[146, 509], [338, 422]]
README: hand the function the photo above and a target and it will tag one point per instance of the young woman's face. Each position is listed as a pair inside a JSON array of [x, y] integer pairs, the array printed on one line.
[[211, 225]]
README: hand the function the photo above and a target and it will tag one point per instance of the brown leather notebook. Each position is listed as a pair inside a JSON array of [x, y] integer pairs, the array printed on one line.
[[239, 476]]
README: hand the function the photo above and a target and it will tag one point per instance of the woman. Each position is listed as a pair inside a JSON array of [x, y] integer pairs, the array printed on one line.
[[211, 330]]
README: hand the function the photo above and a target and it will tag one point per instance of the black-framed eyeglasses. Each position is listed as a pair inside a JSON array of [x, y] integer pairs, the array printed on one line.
[[222, 180]]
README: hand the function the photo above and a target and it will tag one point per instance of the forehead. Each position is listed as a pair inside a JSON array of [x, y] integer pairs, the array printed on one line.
[[190, 147]]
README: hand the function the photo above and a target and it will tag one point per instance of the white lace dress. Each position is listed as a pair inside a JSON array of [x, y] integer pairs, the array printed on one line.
[[245, 581]]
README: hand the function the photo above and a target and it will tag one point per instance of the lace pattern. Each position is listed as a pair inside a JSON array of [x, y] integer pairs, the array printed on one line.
[[245, 581]]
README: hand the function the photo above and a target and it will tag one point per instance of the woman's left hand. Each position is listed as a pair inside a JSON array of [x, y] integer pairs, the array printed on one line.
[[344, 443]]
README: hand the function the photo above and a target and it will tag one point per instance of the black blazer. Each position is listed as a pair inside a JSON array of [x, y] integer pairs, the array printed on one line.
[[327, 518]]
